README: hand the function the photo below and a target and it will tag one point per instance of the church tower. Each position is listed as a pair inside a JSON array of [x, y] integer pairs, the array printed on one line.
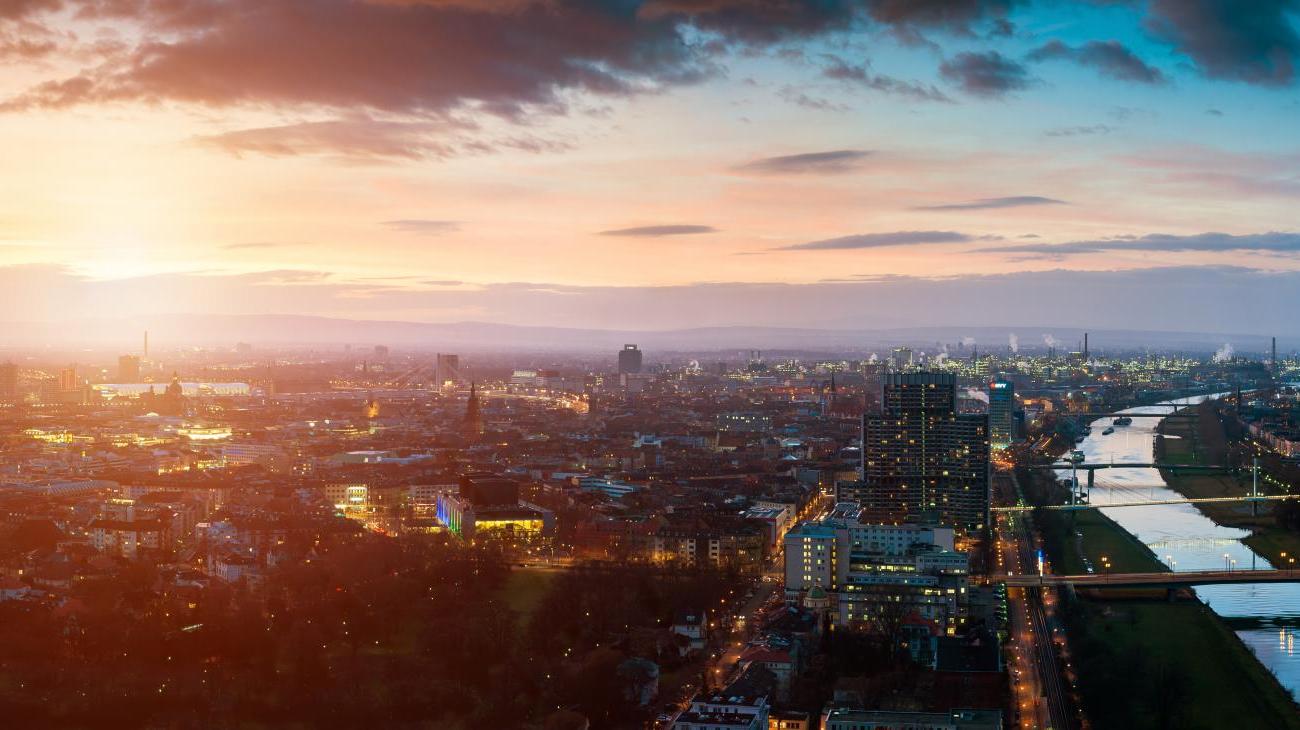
[[473, 426]]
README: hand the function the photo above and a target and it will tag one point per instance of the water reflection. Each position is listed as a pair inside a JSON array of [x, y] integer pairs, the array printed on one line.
[[1188, 540]]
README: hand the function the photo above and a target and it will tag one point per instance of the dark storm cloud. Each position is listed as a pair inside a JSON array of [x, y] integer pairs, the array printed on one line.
[[1271, 242], [862, 75], [880, 240], [423, 226], [956, 16], [986, 74], [832, 162], [1014, 201], [756, 21], [659, 231], [1241, 40], [417, 56], [1109, 58], [408, 57]]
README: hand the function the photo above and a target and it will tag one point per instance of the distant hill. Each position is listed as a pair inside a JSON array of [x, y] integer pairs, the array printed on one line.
[[276, 329]]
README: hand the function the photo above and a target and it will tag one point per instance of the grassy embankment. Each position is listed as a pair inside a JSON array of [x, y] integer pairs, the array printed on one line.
[[524, 589], [1195, 442], [1145, 662]]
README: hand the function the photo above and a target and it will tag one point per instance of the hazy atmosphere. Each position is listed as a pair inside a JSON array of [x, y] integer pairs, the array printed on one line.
[[654, 165]]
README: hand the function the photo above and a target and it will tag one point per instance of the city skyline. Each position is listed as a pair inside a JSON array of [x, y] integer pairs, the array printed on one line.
[[653, 165]]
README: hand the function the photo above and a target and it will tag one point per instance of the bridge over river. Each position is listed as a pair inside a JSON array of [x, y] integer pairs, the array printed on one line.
[[1163, 579]]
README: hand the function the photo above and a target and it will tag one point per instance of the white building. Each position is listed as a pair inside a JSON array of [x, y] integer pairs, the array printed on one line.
[[872, 569], [724, 712]]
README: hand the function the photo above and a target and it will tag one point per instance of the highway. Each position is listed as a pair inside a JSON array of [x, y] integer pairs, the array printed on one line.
[[1037, 685]]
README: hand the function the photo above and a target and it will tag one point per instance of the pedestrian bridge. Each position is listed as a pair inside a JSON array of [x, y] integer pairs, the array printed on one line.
[[1152, 580]]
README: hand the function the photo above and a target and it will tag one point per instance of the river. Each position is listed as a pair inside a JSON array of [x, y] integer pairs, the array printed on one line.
[[1186, 539]]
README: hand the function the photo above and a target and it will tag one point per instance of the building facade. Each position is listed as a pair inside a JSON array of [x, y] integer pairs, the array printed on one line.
[[879, 572], [629, 360], [1002, 410], [922, 460]]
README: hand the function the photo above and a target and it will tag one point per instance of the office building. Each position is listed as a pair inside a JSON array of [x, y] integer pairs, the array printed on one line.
[[448, 369], [68, 379], [8, 383], [903, 357], [472, 427], [922, 460], [725, 710], [128, 369], [629, 360], [487, 507], [744, 422], [877, 572], [1002, 408]]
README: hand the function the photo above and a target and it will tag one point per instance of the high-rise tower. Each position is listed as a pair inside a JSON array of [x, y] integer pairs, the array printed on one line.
[[629, 360], [923, 460], [1002, 407]]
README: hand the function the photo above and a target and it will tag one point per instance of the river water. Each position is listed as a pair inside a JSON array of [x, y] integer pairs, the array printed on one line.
[[1186, 539]]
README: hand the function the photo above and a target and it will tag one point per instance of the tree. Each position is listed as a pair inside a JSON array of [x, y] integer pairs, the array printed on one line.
[[1167, 696]]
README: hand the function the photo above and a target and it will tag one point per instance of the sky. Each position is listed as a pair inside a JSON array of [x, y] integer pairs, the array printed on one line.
[[656, 164]]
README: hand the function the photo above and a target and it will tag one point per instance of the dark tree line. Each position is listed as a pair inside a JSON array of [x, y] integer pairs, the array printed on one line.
[[370, 631]]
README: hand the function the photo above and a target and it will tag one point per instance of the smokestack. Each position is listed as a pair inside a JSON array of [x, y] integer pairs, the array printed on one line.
[[1085, 345], [146, 344], [1272, 364]]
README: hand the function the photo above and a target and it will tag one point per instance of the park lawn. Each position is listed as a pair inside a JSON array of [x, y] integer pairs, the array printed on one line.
[[1102, 538], [1227, 686], [1272, 542], [524, 590]]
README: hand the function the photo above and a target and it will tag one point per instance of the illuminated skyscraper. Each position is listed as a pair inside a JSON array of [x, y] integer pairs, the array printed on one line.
[[68, 379], [903, 357], [923, 460], [629, 360], [448, 369], [1002, 407]]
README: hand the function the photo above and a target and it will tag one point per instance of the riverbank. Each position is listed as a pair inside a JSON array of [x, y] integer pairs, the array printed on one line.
[[1143, 661], [1201, 441]]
